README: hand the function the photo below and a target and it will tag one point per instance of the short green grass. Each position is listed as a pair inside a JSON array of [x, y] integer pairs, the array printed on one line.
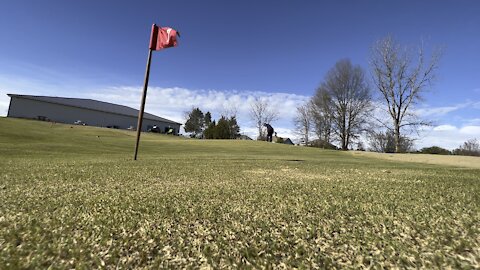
[[71, 197]]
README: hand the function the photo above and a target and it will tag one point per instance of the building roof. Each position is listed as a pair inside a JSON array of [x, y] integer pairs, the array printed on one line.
[[95, 105]]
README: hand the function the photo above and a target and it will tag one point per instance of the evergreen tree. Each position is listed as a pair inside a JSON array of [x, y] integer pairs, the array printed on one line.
[[195, 122], [208, 119], [234, 128], [209, 132], [223, 128]]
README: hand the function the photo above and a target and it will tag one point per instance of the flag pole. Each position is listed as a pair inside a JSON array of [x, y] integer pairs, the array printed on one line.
[[142, 105]]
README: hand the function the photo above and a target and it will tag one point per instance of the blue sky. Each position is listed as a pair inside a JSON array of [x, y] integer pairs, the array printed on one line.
[[232, 51]]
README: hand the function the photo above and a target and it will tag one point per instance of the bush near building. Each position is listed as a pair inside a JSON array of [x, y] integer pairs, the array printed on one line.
[[436, 150]]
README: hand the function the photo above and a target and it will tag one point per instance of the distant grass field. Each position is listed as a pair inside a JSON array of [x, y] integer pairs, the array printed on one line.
[[71, 197], [458, 161]]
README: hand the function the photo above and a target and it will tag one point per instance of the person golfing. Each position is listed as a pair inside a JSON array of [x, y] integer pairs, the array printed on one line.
[[269, 131]]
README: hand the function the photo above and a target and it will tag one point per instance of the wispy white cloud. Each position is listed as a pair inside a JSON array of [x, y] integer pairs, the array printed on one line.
[[447, 136], [174, 102], [10, 85], [470, 131], [433, 112], [41, 82], [444, 128]]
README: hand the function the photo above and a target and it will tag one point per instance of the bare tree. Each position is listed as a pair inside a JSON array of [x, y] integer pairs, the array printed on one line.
[[468, 148], [261, 112], [401, 77], [230, 110], [346, 95], [320, 112], [303, 122]]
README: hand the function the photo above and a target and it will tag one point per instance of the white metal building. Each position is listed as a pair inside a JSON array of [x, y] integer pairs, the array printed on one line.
[[89, 111]]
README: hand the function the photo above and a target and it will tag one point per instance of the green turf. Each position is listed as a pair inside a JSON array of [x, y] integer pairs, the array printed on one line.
[[71, 197]]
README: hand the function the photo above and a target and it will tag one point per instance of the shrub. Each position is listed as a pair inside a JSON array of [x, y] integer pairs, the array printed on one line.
[[322, 144], [435, 150]]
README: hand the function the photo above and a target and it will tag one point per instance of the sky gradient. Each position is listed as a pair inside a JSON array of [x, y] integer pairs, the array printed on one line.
[[232, 51]]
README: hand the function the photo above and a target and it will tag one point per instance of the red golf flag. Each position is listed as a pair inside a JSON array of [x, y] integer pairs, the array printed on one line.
[[162, 38]]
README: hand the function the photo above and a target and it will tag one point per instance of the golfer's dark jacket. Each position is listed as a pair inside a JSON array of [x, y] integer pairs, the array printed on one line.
[[269, 129]]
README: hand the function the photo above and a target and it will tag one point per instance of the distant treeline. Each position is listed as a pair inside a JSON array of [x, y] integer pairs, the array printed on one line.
[[201, 125]]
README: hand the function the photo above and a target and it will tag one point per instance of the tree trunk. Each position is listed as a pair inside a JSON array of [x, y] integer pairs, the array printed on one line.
[[397, 137], [344, 144], [259, 125]]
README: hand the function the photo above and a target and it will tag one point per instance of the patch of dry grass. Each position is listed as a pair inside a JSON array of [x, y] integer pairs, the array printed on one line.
[[457, 161]]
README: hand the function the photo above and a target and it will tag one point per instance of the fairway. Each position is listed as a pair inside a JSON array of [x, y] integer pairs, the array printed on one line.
[[73, 198]]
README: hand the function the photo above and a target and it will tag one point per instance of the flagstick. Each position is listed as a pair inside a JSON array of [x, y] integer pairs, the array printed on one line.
[[142, 105]]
